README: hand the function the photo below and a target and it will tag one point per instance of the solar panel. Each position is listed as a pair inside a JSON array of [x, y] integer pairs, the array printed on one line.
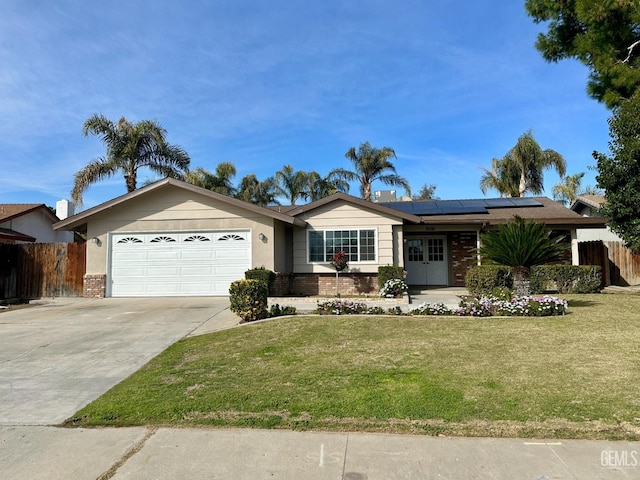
[[405, 207], [526, 202], [458, 207], [453, 210], [426, 208], [500, 203]]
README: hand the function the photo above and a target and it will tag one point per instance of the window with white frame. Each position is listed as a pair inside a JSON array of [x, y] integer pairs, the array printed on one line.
[[359, 245]]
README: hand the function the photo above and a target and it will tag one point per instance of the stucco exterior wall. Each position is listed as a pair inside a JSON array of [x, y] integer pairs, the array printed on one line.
[[341, 215], [282, 244], [172, 209], [37, 224], [591, 234]]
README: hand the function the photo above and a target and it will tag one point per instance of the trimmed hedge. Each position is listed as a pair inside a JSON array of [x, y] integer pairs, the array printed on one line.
[[566, 278], [248, 299], [389, 272], [263, 275], [484, 279]]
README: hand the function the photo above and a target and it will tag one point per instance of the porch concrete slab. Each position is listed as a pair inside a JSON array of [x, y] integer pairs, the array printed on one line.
[[449, 296], [238, 454], [50, 453], [61, 354]]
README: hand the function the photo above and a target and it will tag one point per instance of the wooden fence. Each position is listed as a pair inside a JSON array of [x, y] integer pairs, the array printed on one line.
[[619, 265], [41, 270]]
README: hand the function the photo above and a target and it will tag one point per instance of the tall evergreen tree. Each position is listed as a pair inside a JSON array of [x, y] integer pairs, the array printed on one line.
[[619, 173], [603, 35]]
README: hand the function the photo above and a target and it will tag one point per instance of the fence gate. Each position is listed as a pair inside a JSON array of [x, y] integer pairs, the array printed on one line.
[[41, 270]]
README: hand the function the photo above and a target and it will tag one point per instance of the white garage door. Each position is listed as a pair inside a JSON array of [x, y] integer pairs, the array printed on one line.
[[177, 264]]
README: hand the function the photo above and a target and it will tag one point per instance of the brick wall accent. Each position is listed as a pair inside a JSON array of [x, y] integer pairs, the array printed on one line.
[[282, 284], [94, 286], [463, 256], [325, 284]]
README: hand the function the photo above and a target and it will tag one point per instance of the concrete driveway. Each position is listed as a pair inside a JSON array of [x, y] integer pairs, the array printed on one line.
[[61, 354]]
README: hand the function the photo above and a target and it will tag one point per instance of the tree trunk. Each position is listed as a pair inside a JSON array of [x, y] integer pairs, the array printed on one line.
[[131, 181], [521, 282], [366, 191], [523, 184]]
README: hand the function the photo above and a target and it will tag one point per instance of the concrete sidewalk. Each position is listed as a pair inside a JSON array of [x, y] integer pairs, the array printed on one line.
[[139, 453]]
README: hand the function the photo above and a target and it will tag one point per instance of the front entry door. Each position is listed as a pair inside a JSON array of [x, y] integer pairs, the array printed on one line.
[[426, 261]]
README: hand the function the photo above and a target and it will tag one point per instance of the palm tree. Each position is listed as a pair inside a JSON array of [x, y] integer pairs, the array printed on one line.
[[291, 184], [319, 187], [218, 181], [200, 177], [529, 160], [371, 164], [503, 177], [130, 146], [566, 191], [261, 193], [522, 244]]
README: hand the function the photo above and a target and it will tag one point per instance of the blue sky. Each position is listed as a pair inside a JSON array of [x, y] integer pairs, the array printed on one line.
[[448, 84]]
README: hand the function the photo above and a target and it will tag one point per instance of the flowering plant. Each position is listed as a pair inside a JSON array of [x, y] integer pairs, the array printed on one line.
[[394, 287], [339, 261]]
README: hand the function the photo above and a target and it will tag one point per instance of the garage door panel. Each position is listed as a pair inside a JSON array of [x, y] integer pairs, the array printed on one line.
[[196, 263], [196, 271], [119, 255], [163, 271], [230, 254], [197, 254], [163, 253]]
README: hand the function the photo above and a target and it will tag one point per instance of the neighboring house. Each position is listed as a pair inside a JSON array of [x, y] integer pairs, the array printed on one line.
[[588, 206], [623, 265], [172, 238], [30, 223]]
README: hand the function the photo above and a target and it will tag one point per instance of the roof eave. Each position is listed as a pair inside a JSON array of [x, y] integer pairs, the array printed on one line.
[[357, 201], [81, 218]]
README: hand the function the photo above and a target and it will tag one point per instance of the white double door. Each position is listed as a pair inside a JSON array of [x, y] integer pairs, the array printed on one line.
[[426, 260]]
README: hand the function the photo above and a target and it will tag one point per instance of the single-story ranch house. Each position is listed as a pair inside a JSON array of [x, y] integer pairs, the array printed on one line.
[[171, 238]]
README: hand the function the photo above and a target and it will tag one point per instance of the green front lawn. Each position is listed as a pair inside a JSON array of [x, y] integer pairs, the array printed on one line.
[[572, 376]]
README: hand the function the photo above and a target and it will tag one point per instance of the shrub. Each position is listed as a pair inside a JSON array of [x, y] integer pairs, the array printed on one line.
[[483, 279], [395, 311], [502, 293], [347, 307], [262, 274], [566, 278], [248, 299], [389, 272], [431, 309], [278, 311], [393, 288], [518, 306]]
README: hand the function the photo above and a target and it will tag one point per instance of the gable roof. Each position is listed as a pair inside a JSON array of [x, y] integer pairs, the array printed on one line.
[[13, 236], [376, 207], [593, 201], [81, 218], [9, 211]]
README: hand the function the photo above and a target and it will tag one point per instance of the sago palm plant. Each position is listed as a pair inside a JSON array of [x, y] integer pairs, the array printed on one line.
[[522, 244]]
